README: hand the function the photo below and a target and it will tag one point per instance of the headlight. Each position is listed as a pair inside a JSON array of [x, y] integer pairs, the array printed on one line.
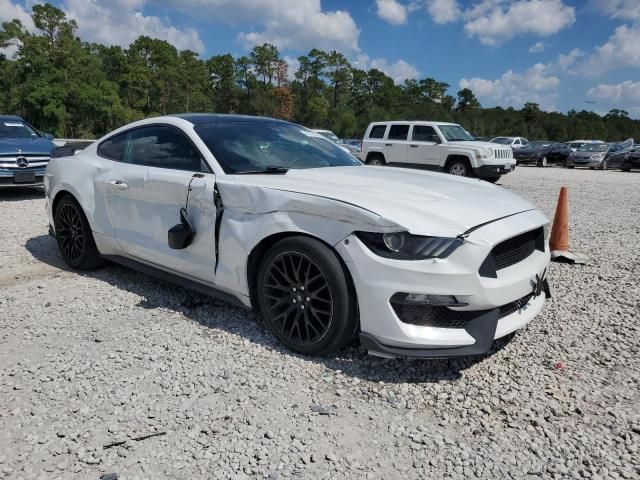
[[404, 246]]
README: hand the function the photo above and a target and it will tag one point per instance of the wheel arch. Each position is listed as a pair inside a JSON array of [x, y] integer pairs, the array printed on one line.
[[457, 156], [374, 154], [261, 248]]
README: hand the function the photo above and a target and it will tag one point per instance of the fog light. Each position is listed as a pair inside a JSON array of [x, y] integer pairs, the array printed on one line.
[[427, 299]]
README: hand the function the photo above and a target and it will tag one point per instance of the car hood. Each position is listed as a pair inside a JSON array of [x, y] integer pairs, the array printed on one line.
[[585, 154], [26, 146], [423, 203], [478, 145], [532, 150]]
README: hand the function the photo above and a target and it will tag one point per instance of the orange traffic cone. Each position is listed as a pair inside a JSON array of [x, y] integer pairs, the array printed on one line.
[[559, 238]]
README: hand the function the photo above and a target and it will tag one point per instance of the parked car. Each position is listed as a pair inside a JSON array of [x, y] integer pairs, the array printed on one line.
[[542, 153], [24, 153], [439, 146], [631, 160], [328, 134], [269, 215], [354, 142], [576, 144], [513, 142], [598, 155]]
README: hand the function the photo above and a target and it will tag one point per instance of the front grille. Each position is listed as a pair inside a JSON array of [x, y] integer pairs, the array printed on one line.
[[512, 251], [444, 317], [34, 161], [502, 154], [513, 307]]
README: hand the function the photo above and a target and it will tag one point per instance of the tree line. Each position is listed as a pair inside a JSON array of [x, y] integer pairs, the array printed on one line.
[[78, 89]]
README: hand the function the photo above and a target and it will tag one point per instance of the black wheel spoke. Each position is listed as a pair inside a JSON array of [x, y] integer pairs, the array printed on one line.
[[70, 232], [297, 298]]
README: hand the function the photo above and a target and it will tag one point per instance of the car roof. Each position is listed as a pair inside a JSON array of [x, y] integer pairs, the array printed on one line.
[[387, 122], [199, 118], [11, 117]]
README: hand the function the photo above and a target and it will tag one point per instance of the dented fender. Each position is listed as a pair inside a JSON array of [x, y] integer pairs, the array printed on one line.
[[251, 214]]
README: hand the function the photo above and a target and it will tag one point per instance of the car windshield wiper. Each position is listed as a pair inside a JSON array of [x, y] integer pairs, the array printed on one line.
[[267, 170]]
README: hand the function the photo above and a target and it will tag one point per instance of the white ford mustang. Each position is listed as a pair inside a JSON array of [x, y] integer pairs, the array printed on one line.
[[270, 215]]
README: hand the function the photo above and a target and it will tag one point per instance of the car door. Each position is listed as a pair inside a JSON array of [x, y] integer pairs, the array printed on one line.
[[162, 172], [396, 144], [424, 147]]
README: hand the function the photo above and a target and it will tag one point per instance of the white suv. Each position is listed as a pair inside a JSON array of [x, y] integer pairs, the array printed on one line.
[[435, 146]]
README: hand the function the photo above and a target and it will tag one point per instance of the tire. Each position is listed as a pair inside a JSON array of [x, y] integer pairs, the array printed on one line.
[[543, 162], [493, 179], [571, 166], [625, 169], [74, 236], [305, 297], [376, 161], [459, 167]]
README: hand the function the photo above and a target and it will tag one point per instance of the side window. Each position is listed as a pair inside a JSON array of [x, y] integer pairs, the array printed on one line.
[[113, 148], [398, 132], [424, 133], [377, 131], [517, 141], [163, 147]]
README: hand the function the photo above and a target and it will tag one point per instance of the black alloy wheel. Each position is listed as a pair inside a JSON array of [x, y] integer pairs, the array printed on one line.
[[70, 233], [74, 237], [305, 297]]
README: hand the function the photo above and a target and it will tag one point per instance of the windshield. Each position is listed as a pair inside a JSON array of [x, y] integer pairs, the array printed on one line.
[[16, 129], [594, 147], [502, 140], [455, 133], [241, 147], [539, 145]]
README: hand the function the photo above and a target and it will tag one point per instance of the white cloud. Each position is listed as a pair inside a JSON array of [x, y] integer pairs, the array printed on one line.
[[295, 24], [537, 47], [622, 9], [293, 65], [537, 84], [120, 22], [391, 11], [567, 61], [399, 71], [10, 11], [494, 21], [625, 94], [620, 51], [443, 11]]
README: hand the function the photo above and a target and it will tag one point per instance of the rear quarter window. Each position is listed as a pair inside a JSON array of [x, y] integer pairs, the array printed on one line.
[[113, 148], [377, 131]]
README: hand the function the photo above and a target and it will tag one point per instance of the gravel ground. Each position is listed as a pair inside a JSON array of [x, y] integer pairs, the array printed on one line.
[[105, 359]]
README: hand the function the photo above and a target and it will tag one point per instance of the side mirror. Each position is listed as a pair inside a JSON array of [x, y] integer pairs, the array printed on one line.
[[181, 235], [435, 139]]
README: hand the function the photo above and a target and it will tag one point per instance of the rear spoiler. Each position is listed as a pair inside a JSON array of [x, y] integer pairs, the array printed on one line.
[[70, 148]]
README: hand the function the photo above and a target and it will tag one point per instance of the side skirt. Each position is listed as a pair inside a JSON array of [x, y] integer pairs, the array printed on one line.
[[176, 279]]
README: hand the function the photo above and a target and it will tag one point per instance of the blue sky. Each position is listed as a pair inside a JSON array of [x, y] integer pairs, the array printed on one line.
[[558, 53]]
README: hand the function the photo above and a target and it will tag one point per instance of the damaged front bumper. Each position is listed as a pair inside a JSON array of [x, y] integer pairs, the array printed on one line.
[[488, 309]]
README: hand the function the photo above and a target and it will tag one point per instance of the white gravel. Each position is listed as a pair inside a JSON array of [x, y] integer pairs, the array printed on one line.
[[89, 360]]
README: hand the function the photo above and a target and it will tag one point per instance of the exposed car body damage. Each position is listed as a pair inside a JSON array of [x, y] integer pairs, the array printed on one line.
[[131, 209]]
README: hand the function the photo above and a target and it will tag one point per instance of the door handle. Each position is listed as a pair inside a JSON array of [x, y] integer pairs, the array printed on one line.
[[388, 144], [413, 146], [119, 184]]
